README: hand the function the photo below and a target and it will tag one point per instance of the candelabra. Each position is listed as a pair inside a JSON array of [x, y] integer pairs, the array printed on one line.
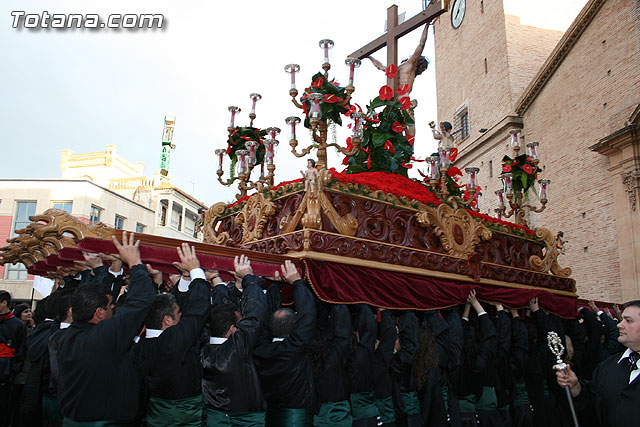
[[316, 122], [247, 149], [518, 176], [438, 171]]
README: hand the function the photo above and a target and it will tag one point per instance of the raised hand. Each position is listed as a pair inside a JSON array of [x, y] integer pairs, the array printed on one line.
[[188, 258], [129, 249], [156, 275], [92, 260], [290, 272], [242, 266], [533, 305], [593, 306]]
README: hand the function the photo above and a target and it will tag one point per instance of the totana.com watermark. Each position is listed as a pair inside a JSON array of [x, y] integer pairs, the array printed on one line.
[[21, 19]]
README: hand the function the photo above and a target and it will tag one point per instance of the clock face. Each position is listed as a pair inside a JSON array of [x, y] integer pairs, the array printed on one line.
[[457, 12]]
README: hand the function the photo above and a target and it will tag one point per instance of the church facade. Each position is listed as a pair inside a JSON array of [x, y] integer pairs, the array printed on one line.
[[577, 94]]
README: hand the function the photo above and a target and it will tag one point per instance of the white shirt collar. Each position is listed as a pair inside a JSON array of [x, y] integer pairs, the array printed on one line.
[[277, 339], [217, 340], [153, 333], [64, 325], [633, 374]]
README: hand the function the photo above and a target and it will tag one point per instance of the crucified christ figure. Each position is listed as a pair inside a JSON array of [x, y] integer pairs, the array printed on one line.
[[411, 67], [415, 65]]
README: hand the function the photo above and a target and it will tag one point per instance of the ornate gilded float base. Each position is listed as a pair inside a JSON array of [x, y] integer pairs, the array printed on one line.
[[459, 232], [550, 260]]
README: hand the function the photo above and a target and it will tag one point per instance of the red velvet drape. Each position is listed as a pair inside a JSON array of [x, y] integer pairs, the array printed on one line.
[[342, 283]]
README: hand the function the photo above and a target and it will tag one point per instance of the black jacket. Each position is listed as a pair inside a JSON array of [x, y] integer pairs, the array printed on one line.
[[230, 381], [13, 346], [98, 378], [285, 366], [479, 368], [170, 363], [387, 335], [609, 397], [331, 378], [361, 358]]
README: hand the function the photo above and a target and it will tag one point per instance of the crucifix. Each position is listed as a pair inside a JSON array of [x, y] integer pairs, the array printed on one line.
[[395, 31]]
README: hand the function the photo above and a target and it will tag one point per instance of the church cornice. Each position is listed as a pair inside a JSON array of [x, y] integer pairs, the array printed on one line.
[[564, 46]]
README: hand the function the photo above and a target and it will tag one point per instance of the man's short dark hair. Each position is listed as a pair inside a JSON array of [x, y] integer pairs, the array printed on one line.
[[59, 302], [282, 322], [221, 318], [447, 126], [163, 305], [5, 296], [421, 65], [86, 299], [634, 303]]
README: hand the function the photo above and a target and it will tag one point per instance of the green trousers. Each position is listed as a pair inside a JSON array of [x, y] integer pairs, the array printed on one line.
[[386, 410], [334, 414], [180, 412], [363, 405], [68, 422], [289, 417], [216, 418]]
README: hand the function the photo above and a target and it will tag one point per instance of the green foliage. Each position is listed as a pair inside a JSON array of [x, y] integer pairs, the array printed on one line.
[[383, 149], [329, 110], [524, 172], [237, 141]]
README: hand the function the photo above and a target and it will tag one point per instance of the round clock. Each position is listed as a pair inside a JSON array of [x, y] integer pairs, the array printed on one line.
[[457, 12]]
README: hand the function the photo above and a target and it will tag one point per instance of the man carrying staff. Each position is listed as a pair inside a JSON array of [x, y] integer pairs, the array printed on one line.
[[99, 383], [614, 390]]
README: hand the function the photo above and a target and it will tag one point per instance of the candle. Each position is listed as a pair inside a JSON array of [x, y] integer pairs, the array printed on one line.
[[292, 122], [292, 69], [261, 169], [506, 179], [533, 150], [444, 157], [252, 151], [434, 173], [255, 97], [515, 137], [472, 174], [353, 63], [242, 161], [498, 213], [233, 110], [544, 185], [316, 99], [358, 130], [220, 153], [500, 194], [326, 44]]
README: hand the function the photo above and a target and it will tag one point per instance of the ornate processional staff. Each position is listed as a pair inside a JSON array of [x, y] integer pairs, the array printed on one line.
[[555, 345]]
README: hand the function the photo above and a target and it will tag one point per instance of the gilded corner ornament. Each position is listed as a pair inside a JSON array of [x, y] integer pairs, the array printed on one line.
[[212, 217], [254, 216], [458, 231], [550, 261]]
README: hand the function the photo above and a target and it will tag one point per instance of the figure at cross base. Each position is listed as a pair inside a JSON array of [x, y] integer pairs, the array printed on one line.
[[411, 67]]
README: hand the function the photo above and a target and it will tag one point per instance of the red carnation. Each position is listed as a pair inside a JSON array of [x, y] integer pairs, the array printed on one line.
[[392, 70], [369, 162], [397, 127], [411, 139], [527, 168], [506, 168], [406, 103], [453, 154], [352, 109], [318, 83], [386, 93], [404, 89], [345, 161]]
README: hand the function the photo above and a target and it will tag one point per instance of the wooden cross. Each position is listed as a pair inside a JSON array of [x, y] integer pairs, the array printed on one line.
[[395, 31]]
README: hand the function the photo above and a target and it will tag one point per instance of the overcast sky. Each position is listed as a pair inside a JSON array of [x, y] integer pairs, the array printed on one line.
[[83, 89]]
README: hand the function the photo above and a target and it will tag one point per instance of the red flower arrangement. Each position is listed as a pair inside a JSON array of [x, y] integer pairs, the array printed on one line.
[[523, 169]]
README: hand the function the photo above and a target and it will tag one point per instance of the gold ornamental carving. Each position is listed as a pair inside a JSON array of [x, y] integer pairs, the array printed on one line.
[[212, 218], [314, 203], [550, 261], [254, 216], [458, 231], [48, 234]]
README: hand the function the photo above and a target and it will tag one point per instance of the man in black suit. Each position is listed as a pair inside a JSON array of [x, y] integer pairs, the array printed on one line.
[[614, 391]]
